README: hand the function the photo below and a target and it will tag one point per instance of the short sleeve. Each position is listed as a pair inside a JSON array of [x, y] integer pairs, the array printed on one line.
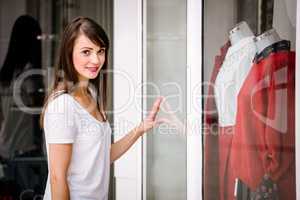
[[59, 120]]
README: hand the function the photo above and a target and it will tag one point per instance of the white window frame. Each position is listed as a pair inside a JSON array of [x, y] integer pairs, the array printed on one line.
[[127, 61], [194, 82]]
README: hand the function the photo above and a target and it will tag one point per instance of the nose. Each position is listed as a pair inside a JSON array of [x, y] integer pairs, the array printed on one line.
[[95, 59]]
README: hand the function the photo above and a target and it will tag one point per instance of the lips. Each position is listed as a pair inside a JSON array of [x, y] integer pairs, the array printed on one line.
[[92, 69]]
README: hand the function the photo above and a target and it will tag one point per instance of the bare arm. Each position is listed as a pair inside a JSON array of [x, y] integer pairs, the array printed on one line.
[[59, 158], [122, 145]]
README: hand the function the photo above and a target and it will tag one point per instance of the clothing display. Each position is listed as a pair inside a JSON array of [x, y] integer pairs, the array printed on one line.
[[249, 142], [264, 138], [66, 121], [250, 139], [230, 78], [211, 158]]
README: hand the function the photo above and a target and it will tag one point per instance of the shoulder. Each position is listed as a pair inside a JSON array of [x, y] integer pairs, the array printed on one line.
[[59, 103], [59, 110], [60, 123]]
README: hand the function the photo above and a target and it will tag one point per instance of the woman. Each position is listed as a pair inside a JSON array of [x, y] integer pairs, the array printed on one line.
[[76, 129]]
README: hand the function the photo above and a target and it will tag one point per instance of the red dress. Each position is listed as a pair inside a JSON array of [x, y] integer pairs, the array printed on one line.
[[264, 139]]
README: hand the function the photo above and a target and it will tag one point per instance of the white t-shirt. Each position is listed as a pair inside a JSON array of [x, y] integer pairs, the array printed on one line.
[[66, 121]]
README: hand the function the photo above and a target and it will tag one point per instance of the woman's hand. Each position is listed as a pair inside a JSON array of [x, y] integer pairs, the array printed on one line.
[[150, 121], [121, 146]]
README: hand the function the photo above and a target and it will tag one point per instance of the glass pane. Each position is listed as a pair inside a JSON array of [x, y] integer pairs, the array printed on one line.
[[249, 89], [23, 163], [23, 167], [166, 76]]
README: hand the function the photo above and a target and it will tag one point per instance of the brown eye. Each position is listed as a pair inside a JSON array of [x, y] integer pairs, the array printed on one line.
[[86, 52], [101, 51]]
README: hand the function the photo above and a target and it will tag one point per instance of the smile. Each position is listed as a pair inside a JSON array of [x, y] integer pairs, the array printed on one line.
[[92, 69]]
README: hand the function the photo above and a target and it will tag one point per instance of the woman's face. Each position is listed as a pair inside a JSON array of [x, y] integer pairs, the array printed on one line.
[[88, 58]]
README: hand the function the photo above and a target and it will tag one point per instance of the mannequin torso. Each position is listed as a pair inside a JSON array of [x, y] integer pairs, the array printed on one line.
[[266, 39], [240, 31], [234, 70]]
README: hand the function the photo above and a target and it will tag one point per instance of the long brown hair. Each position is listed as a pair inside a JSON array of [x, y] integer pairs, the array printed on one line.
[[65, 75]]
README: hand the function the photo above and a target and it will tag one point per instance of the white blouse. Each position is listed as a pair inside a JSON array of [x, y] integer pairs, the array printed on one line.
[[232, 74]]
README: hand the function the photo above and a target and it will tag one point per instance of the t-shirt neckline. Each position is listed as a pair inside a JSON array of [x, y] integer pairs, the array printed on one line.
[[82, 108]]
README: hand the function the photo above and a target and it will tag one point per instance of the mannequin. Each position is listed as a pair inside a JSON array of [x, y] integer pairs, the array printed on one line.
[[266, 118], [231, 76], [240, 31], [265, 121], [266, 39], [234, 70]]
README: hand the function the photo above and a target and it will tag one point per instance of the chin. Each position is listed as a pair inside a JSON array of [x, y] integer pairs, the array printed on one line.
[[92, 77]]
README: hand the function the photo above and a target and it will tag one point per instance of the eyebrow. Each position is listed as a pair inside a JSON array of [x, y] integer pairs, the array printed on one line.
[[91, 48]]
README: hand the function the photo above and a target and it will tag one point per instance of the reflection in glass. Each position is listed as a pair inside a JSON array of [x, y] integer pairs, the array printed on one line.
[[20, 134], [249, 68], [23, 167]]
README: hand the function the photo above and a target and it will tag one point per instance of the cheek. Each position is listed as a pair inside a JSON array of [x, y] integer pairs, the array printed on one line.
[[78, 61], [102, 59]]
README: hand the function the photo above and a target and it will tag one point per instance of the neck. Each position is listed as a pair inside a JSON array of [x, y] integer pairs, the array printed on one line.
[[239, 32], [266, 39], [82, 87]]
